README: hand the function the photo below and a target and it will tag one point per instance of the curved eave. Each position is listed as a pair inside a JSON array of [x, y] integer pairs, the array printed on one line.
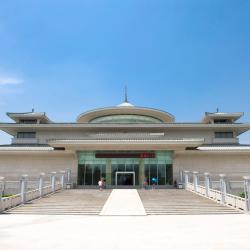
[[235, 116], [12, 128], [31, 115], [158, 114]]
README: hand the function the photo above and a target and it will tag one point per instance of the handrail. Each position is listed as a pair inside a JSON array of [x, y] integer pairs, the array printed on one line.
[[216, 195], [15, 200]]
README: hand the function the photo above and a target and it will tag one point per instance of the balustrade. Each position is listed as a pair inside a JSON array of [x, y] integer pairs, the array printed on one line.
[[31, 194], [221, 196]]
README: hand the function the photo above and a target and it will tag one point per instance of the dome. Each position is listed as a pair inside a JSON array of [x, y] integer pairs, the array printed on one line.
[[125, 113], [125, 104]]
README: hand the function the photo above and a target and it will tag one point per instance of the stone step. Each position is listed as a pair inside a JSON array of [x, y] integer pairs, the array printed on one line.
[[67, 202], [170, 202]]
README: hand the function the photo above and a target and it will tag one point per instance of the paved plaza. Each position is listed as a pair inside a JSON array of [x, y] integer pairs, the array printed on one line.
[[172, 219], [175, 232]]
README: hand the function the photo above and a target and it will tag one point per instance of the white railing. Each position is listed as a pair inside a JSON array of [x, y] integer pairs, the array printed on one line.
[[216, 195], [12, 201], [32, 190], [15, 200]]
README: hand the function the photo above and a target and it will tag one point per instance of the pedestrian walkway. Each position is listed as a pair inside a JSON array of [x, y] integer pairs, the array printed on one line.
[[180, 202], [123, 202], [66, 202]]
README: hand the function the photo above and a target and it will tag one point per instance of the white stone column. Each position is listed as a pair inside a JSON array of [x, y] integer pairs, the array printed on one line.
[[62, 178], [223, 187], [23, 187], [2, 181], [41, 183], [53, 182], [68, 178], [195, 181], [186, 178], [207, 183], [247, 191], [181, 176]]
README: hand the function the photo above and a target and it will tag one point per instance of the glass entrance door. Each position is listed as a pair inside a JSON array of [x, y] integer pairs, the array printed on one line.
[[125, 179]]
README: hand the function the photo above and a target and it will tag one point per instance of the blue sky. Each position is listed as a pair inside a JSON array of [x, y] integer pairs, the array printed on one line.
[[66, 57]]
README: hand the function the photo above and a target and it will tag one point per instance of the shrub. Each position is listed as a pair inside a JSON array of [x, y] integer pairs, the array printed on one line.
[[242, 194]]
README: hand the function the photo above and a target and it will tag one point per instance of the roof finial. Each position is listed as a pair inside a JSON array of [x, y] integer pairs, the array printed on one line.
[[33, 110], [217, 110], [126, 94]]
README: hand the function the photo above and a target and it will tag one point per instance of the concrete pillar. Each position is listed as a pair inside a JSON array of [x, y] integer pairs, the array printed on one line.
[[53, 182], [2, 181], [181, 176], [68, 178], [195, 180], [207, 183], [62, 178], [186, 178], [223, 187], [41, 183], [23, 183], [247, 191]]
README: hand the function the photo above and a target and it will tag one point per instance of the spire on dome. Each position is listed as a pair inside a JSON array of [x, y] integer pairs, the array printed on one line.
[[126, 103], [126, 94]]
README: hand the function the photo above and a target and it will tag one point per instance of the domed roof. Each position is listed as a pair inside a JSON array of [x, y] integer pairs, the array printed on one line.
[[125, 113], [125, 104]]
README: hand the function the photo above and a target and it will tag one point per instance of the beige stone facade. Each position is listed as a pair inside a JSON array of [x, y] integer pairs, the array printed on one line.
[[40, 145]]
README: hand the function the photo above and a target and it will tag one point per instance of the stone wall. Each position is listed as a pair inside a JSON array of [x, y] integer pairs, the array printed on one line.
[[233, 164], [13, 165]]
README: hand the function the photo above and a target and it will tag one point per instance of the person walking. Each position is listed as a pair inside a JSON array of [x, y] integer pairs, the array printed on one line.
[[100, 184]]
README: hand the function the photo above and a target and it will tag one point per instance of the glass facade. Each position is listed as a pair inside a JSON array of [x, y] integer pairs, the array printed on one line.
[[126, 119], [117, 169]]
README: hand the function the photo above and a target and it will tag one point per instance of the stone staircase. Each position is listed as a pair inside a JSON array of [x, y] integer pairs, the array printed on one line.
[[91, 202], [66, 202], [180, 202]]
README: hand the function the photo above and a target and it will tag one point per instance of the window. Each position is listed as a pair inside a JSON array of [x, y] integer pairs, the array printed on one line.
[[223, 135], [221, 121], [26, 134], [28, 121]]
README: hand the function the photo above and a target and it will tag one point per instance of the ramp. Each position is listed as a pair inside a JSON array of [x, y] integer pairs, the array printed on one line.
[[123, 202]]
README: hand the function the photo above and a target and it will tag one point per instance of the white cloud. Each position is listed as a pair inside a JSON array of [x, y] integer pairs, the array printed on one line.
[[9, 80]]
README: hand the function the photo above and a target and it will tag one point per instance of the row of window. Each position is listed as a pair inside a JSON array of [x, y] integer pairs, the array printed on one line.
[[216, 135], [26, 135], [223, 135]]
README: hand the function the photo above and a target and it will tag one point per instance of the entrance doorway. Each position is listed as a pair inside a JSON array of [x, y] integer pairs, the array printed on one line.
[[125, 178]]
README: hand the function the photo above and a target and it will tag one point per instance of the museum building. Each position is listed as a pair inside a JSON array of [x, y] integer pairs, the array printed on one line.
[[125, 145]]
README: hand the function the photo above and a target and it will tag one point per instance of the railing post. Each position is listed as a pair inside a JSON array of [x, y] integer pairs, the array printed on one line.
[[63, 179], [23, 187], [207, 183], [247, 191], [223, 187], [181, 176], [195, 181], [53, 182], [68, 183], [40, 184], [186, 178], [2, 181]]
